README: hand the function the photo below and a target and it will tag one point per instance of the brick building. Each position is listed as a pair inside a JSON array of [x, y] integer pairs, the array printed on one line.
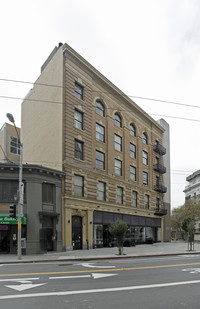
[[113, 153]]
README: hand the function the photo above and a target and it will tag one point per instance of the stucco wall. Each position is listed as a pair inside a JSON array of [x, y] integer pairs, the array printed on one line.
[[41, 123]]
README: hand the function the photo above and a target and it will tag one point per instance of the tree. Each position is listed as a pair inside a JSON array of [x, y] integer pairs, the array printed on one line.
[[184, 218], [118, 230], [188, 227]]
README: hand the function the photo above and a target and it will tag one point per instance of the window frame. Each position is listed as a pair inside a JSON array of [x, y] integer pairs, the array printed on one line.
[[78, 123], [118, 168], [14, 145], [102, 165], [100, 137], [133, 151], [100, 108], [101, 193], [134, 200], [78, 189], [120, 193], [133, 173], [146, 201], [78, 90], [118, 142], [145, 178], [118, 120], [132, 130], [78, 153], [145, 157], [48, 193], [144, 138]]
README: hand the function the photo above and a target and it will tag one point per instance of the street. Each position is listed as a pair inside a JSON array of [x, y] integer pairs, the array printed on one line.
[[152, 282]]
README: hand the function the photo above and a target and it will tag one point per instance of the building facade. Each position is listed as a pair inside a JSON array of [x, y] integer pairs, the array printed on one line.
[[42, 209], [9, 144], [75, 120]]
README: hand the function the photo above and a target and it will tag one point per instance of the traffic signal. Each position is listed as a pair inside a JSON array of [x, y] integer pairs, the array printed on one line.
[[13, 211]]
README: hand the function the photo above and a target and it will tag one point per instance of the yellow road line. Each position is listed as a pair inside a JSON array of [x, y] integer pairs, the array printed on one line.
[[98, 270]]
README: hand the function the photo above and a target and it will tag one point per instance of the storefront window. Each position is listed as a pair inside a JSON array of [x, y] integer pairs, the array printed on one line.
[[98, 235]]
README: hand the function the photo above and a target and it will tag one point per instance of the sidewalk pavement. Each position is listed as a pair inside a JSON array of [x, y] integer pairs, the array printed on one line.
[[157, 249]]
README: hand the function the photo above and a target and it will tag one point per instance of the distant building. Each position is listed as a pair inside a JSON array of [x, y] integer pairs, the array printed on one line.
[[9, 144], [113, 153], [192, 191]]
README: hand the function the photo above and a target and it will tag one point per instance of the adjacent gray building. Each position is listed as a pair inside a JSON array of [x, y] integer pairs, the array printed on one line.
[[42, 211]]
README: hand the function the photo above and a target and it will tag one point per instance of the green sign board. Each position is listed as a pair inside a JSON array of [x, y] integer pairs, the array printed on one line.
[[5, 219]]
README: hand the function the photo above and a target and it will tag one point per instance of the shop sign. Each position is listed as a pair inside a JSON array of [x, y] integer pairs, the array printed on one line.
[[5, 219]]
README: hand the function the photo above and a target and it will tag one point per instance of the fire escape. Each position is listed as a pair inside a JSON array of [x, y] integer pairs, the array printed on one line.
[[159, 187]]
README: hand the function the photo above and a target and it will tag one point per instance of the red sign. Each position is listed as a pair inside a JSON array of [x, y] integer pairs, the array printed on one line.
[[3, 227]]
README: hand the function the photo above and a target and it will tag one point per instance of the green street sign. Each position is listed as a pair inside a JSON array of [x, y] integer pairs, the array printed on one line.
[[6, 219]]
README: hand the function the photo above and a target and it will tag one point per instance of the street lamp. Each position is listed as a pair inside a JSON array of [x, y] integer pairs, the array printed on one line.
[[21, 191]]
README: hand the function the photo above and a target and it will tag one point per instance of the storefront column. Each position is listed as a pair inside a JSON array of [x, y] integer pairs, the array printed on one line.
[[90, 229], [68, 230], [162, 229]]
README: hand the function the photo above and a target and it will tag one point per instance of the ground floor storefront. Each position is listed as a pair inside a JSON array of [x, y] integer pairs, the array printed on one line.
[[87, 229], [9, 233]]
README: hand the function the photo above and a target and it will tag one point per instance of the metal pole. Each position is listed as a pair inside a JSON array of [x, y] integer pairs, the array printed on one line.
[[20, 205]]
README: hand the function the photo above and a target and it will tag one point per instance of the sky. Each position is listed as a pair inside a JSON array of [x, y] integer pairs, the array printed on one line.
[[150, 49]]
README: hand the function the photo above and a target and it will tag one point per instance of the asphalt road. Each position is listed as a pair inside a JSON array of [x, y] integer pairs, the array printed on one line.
[[158, 282]]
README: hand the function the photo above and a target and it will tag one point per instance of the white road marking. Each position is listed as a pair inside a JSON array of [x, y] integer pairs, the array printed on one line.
[[19, 280], [23, 287], [93, 275], [192, 270], [118, 289], [95, 266]]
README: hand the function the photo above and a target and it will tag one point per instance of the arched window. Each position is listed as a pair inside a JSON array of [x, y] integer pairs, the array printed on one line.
[[132, 130], [118, 120], [144, 138], [100, 109]]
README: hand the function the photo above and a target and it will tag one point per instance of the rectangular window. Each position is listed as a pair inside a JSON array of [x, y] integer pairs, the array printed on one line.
[[118, 167], [78, 119], [145, 178], [8, 190], [118, 142], [78, 185], [146, 201], [133, 173], [119, 195], [132, 151], [101, 191], [78, 150], [145, 157], [100, 133], [14, 145], [78, 91], [100, 160], [157, 203], [134, 198], [48, 192]]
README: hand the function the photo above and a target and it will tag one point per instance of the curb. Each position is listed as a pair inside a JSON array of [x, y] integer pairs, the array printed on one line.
[[95, 258]]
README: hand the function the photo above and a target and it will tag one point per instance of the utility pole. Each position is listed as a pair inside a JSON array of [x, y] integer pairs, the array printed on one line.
[[20, 193]]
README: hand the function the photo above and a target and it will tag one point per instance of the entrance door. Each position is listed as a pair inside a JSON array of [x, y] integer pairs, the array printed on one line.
[[4, 241], [77, 232]]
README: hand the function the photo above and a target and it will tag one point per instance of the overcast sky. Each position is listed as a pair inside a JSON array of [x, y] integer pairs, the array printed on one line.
[[147, 48]]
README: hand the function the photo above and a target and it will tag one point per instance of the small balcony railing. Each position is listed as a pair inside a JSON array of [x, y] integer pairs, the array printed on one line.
[[160, 188], [160, 212], [161, 150], [159, 168]]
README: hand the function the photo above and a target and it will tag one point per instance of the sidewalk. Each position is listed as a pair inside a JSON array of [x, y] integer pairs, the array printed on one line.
[[157, 249]]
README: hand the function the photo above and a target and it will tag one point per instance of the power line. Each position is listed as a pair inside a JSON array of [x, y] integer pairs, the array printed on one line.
[[130, 96], [120, 110]]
